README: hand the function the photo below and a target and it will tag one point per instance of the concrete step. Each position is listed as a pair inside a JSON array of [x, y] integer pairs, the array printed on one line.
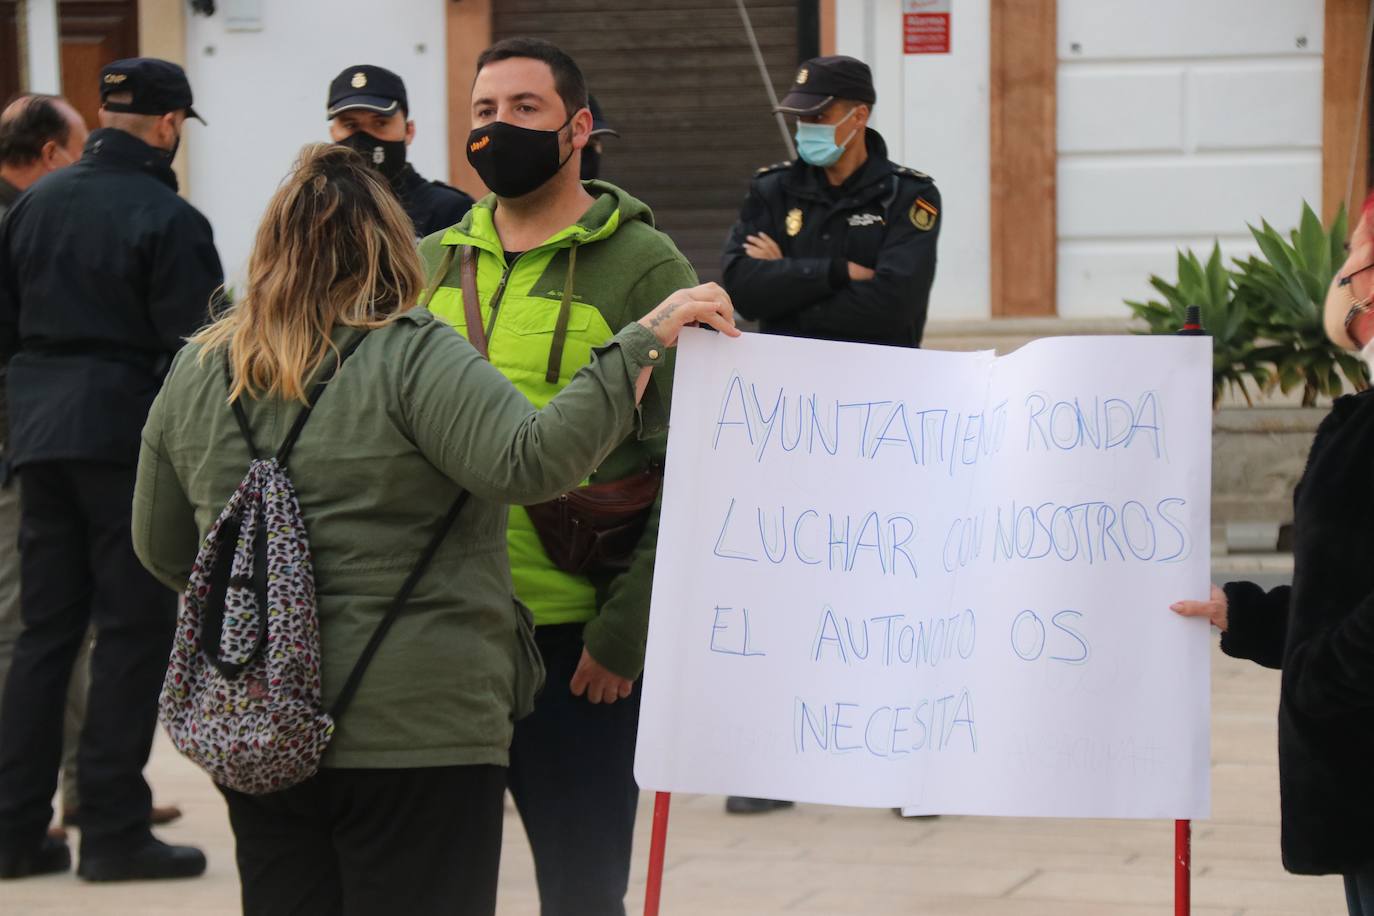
[[1007, 334]]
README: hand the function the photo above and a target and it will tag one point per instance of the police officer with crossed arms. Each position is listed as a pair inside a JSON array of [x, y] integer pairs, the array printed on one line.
[[839, 244]]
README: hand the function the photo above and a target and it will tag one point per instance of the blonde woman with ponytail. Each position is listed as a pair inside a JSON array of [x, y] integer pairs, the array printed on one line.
[[405, 814]]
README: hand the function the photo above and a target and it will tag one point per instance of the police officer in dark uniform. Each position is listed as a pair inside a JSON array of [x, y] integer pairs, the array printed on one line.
[[839, 244], [104, 271], [601, 128], [368, 112]]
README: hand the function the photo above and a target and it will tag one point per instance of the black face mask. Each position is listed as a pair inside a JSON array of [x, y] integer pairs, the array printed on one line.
[[513, 161], [386, 156], [169, 154]]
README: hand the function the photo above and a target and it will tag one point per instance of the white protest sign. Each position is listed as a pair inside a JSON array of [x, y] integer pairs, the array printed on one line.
[[935, 580]]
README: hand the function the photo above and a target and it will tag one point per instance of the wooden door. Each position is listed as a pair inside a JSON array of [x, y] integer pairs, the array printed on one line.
[[94, 33], [10, 80]]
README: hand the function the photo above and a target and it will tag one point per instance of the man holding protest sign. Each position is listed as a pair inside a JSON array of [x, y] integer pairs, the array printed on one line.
[[536, 275]]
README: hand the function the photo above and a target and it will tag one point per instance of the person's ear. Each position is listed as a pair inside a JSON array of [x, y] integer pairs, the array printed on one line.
[[410, 132], [48, 155], [581, 127]]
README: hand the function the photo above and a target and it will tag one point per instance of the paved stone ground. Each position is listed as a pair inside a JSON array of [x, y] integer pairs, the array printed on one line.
[[819, 860]]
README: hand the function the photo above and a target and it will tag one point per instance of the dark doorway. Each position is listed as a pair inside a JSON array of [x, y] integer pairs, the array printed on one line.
[[679, 82]]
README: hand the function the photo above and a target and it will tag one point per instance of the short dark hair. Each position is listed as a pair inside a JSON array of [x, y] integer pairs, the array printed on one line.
[[24, 134], [567, 76]]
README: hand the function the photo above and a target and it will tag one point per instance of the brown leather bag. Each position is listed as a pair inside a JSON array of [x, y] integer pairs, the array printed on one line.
[[590, 529], [596, 528]]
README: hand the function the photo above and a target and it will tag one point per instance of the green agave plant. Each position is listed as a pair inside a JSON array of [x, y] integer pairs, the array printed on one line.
[[1285, 291], [1265, 315], [1212, 287]]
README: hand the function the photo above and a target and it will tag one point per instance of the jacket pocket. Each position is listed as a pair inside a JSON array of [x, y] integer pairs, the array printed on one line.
[[529, 663], [530, 316]]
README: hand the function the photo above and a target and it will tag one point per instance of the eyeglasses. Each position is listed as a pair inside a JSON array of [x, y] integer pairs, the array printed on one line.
[[1358, 307]]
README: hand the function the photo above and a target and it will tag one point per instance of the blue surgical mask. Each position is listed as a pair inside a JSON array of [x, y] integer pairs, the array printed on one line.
[[816, 142]]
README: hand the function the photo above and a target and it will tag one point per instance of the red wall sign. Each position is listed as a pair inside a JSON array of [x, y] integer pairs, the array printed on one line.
[[925, 26]]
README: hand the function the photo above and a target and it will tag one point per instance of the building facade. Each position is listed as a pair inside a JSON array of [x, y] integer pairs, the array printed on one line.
[[1077, 144]]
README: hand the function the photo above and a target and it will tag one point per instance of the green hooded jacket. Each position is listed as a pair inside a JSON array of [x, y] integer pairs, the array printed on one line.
[[611, 267]]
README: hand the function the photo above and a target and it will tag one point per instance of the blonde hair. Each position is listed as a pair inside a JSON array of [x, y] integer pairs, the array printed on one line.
[[334, 248]]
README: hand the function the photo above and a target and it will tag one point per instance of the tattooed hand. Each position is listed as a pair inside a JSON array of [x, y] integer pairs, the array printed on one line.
[[706, 304]]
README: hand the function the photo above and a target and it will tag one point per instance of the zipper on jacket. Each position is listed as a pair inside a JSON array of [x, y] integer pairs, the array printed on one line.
[[495, 303]]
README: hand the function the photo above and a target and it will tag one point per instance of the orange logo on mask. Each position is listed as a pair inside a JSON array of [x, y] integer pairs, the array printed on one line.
[[479, 145]]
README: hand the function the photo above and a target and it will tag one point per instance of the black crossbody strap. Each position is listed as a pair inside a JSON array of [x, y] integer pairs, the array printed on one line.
[[355, 677], [295, 432]]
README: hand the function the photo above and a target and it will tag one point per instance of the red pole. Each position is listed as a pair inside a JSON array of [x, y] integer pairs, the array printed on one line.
[[658, 841], [1183, 865]]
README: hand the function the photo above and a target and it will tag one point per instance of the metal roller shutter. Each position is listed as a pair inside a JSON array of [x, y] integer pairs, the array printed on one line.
[[679, 82]]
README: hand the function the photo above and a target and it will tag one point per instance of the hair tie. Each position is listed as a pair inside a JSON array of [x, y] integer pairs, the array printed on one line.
[[318, 183]]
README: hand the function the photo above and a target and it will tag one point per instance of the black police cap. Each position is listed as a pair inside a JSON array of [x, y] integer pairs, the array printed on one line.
[[600, 125], [155, 87], [367, 88], [822, 80]]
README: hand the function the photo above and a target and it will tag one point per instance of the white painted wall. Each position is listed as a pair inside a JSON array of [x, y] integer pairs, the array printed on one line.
[[263, 94], [933, 112], [1179, 123], [44, 59]]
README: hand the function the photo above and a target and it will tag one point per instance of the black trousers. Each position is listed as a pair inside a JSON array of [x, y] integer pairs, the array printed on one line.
[[1359, 892], [419, 842], [78, 568], [572, 777]]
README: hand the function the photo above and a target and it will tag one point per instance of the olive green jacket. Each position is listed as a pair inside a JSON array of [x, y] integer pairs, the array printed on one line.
[[413, 415]]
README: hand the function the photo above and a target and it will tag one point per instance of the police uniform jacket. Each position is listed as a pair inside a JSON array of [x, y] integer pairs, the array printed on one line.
[[884, 217], [104, 271], [431, 205]]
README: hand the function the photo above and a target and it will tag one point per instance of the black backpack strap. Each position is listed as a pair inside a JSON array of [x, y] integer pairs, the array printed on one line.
[[355, 677], [296, 427], [237, 406]]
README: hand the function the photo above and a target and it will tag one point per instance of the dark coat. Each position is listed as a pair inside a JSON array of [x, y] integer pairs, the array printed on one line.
[[1321, 632], [104, 271], [8, 195], [884, 216], [431, 205]]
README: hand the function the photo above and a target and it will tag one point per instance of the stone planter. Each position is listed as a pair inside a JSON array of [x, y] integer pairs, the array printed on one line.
[[1258, 454]]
